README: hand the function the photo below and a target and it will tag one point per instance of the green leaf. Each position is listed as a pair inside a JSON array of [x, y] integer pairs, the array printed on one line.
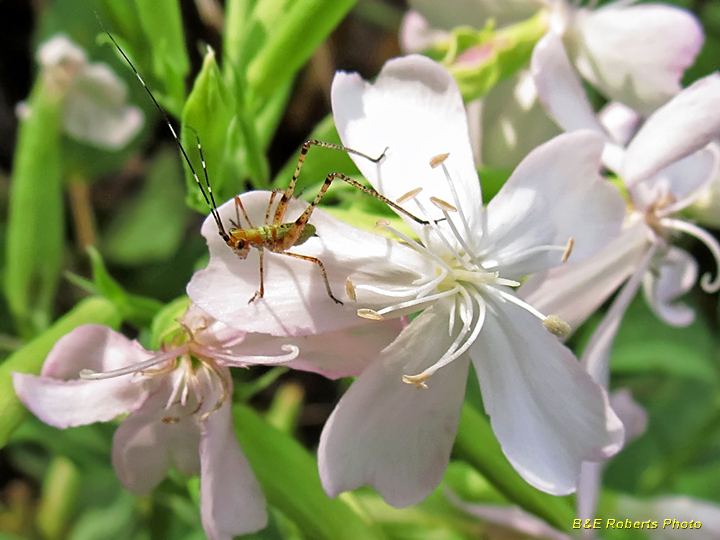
[[477, 445], [30, 358], [162, 23], [210, 111], [35, 235], [59, 495], [292, 39], [136, 309], [152, 227], [295, 487], [165, 320], [646, 344]]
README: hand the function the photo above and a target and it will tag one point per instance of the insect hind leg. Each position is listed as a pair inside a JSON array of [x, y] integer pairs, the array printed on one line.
[[317, 261]]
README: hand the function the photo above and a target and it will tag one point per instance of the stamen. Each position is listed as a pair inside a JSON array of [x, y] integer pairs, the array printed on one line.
[[350, 290], [409, 195], [557, 326], [456, 200], [520, 255], [706, 281], [434, 227], [442, 205], [437, 160], [90, 375], [515, 300], [422, 250], [369, 314], [233, 359], [568, 250], [416, 380], [382, 223], [419, 301]]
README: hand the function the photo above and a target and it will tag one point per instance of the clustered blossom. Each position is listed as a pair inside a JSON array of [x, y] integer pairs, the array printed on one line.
[[498, 286]]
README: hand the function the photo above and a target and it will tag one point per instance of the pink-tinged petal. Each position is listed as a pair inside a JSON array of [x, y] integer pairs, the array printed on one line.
[[415, 110], [64, 404], [511, 517], [152, 440], [416, 34], [94, 347], [513, 122], [59, 50], [555, 194], [637, 54], [391, 435], [619, 121], [559, 87], [682, 180], [343, 353], [671, 277], [296, 301], [231, 501], [596, 356], [448, 15], [686, 124], [630, 413], [575, 291], [546, 412]]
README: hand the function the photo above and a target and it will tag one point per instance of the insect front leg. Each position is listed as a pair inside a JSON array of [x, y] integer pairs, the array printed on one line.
[[322, 269], [261, 292]]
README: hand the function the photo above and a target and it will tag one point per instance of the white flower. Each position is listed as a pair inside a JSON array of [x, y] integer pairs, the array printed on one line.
[[95, 109], [544, 409]]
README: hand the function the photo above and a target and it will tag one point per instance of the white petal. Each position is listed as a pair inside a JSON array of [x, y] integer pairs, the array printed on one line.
[[473, 13], [416, 35], [60, 50], [231, 500], [620, 121], [555, 194], [630, 413], [684, 125], [513, 122], [295, 301], [575, 291], [637, 54], [560, 88], [145, 446], [545, 410], [390, 435], [415, 110], [672, 276], [343, 353], [96, 112]]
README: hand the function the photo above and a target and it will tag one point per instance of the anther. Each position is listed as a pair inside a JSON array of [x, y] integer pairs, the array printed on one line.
[[382, 223], [437, 160], [418, 381], [568, 249], [370, 314], [442, 205], [170, 419], [409, 195], [350, 289], [556, 326]]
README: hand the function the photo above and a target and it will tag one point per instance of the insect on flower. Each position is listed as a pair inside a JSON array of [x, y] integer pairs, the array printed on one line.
[[277, 236]]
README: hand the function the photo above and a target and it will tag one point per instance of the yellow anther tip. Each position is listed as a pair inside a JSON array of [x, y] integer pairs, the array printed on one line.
[[557, 326], [418, 381], [437, 160], [409, 195], [369, 314], [568, 249], [442, 205], [350, 290]]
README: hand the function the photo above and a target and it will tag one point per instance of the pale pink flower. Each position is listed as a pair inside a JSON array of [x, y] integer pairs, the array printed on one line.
[[179, 407], [545, 410]]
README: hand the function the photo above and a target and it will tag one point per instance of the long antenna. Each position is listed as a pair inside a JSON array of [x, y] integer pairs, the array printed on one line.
[[209, 198]]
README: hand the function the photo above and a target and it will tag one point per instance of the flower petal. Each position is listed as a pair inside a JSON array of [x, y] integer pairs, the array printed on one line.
[[96, 110], [342, 353], [152, 440], [555, 194], [448, 15], [686, 124], [575, 291], [630, 413], [295, 301], [547, 413], [415, 111], [391, 435], [416, 34], [637, 54], [672, 276], [231, 501], [560, 88], [64, 404], [619, 121]]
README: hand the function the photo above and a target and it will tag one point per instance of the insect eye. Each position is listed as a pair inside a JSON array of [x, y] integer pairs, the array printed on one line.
[[240, 244]]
